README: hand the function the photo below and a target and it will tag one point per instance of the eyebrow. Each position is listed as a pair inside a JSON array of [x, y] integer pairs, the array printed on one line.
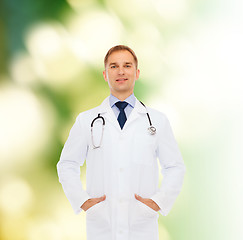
[[114, 63]]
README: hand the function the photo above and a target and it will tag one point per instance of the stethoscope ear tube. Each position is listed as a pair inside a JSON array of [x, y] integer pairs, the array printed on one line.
[[92, 123], [92, 136]]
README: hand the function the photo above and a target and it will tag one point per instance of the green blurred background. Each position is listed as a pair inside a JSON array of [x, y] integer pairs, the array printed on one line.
[[51, 61]]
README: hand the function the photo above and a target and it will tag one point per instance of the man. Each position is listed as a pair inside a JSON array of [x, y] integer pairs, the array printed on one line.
[[122, 198]]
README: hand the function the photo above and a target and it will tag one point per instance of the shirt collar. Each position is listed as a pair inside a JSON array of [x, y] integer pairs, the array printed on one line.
[[131, 100]]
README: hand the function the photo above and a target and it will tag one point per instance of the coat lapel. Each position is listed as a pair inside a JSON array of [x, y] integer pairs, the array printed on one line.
[[108, 114], [136, 112]]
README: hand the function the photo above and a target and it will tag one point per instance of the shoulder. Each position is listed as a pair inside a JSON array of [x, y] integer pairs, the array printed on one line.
[[156, 113], [87, 116], [88, 113], [159, 119]]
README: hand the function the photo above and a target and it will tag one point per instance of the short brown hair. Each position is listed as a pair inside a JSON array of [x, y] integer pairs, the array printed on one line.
[[121, 48]]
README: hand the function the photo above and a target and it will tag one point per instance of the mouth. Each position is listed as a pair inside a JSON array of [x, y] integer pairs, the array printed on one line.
[[121, 79]]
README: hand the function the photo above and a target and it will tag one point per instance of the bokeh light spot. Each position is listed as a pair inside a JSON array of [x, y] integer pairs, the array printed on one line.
[[16, 196], [23, 125]]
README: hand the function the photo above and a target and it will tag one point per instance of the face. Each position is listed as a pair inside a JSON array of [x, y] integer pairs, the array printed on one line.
[[121, 73]]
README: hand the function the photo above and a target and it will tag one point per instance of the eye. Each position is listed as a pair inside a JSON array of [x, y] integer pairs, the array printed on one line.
[[113, 66], [127, 66]]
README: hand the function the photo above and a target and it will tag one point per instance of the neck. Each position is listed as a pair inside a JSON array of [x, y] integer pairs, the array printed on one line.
[[122, 96]]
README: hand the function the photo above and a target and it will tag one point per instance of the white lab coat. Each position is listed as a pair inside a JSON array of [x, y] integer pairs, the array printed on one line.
[[125, 164]]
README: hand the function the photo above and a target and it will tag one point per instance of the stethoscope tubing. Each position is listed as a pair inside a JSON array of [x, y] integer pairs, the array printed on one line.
[[151, 129]]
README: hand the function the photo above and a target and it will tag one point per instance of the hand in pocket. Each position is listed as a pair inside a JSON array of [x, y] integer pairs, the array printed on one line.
[[91, 202], [149, 202]]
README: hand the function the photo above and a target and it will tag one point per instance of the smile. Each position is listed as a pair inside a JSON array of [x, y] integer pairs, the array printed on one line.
[[121, 79]]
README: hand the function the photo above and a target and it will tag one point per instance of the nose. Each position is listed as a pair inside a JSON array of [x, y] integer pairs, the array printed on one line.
[[121, 71]]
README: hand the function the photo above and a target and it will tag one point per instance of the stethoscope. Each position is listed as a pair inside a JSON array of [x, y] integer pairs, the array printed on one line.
[[151, 128]]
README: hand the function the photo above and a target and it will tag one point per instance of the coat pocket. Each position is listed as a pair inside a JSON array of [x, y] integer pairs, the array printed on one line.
[[98, 223], [143, 223], [140, 213], [98, 211]]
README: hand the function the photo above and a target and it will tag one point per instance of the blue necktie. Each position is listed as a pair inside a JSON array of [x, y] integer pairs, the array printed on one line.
[[122, 116]]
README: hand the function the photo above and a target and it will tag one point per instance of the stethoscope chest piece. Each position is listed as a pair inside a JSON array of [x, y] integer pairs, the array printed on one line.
[[152, 130]]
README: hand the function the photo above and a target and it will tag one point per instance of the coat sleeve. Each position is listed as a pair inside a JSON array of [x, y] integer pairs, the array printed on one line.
[[72, 157], [172, 169]]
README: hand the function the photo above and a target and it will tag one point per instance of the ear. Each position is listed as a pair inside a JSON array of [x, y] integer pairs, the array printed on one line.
[[137, 74], [104, 75]]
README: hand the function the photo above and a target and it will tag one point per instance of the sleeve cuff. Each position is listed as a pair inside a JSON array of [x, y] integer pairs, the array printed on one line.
[[78, 209], [156, 200]]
